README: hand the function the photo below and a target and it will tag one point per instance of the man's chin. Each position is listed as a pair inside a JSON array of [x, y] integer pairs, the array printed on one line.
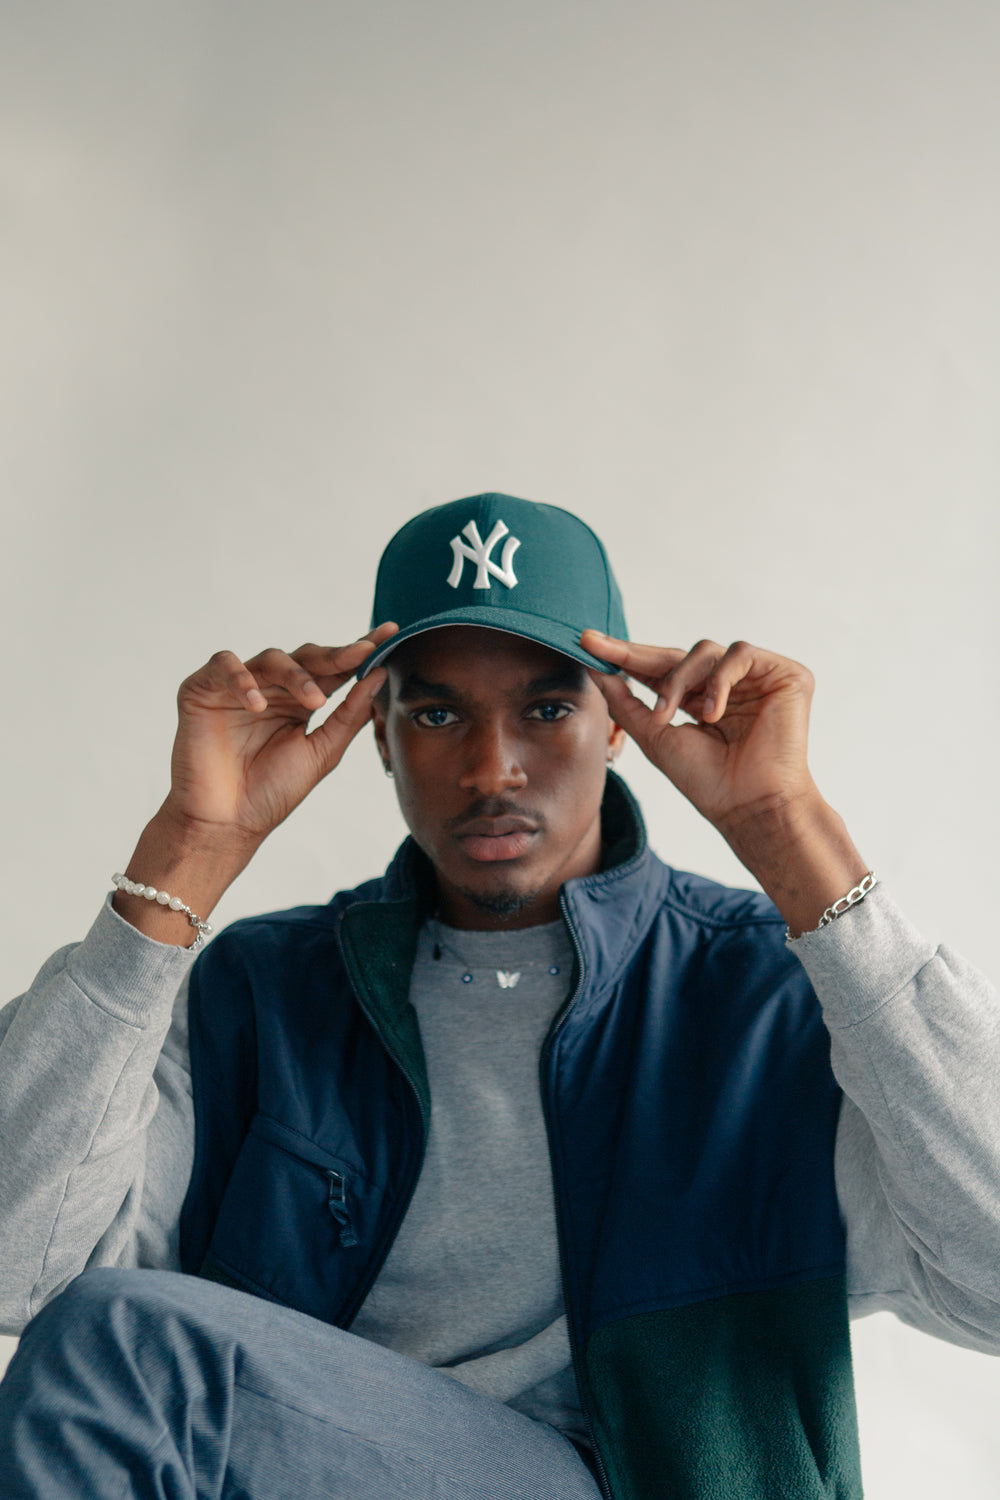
[[500, 904]]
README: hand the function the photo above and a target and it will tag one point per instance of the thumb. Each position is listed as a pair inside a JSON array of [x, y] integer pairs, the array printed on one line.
[[625, 708], [352, 713]]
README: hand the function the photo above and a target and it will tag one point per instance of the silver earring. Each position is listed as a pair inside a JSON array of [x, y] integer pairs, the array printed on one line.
[[387, 768]]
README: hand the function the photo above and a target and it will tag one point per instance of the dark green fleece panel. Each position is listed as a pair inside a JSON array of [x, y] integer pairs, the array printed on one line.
[[379, 943], [743, 1397]]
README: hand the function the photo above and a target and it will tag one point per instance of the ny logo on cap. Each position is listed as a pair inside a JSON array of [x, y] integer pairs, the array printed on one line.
[[479, 553]]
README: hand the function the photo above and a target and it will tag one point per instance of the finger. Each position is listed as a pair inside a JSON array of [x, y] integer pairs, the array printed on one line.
[[633, 657], [226, 680], [277, 668], [736, 663], [350, 716], [674, 675], [635, 717], [333, 665], [682, 684], [380, 633]]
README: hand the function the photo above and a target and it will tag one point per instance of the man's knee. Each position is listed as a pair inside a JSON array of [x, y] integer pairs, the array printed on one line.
[[108, 1380], [104, 1305], [79, 1304], [90, 1294]]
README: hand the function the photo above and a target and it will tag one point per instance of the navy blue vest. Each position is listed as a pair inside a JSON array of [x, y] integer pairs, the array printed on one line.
[[691, 1113]]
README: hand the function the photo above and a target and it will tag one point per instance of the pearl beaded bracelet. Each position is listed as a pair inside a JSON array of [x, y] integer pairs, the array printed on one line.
[[136, 888]]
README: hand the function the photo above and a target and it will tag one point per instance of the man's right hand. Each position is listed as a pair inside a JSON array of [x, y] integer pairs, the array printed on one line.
[[241, 762], [242, 759]]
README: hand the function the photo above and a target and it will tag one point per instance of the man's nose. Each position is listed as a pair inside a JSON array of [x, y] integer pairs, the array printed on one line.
[[493, 764]]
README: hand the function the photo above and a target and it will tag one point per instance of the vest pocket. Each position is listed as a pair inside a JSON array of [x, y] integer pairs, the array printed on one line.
[[293, 1221], [337, 1175]]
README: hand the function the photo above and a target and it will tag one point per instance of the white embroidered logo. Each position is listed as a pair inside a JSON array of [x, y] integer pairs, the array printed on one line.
[[479, 553], [506, 981]]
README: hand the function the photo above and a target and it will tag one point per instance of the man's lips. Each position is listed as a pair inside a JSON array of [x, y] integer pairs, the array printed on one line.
[[487, 839]]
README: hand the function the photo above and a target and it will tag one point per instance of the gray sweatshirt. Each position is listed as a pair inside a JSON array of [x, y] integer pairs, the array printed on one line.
[[97, 1129]]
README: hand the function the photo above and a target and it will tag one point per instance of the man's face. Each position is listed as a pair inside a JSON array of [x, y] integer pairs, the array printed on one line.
[[499, 748]]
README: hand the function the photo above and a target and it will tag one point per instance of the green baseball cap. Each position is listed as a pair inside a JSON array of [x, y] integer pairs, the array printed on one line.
[[502, 563]]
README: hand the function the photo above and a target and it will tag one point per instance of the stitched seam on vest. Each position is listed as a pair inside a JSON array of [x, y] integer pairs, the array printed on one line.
[[820, 1272]]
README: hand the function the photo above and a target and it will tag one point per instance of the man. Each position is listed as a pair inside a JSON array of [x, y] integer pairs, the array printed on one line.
[[549, 1127]]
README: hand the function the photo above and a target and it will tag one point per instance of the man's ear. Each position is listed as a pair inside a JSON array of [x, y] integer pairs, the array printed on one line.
[[616, 742]]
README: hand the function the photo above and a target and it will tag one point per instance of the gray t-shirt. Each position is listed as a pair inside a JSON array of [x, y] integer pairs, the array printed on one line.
[[472, 1282]]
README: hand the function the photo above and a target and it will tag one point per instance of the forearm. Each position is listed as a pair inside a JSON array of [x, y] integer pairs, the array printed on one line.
[[915, 1040], [77, 1059], [801, 853]]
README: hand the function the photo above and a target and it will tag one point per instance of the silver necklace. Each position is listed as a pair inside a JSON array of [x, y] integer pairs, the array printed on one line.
[[505, 978]]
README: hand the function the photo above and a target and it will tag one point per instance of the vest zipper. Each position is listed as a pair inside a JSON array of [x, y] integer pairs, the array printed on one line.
[[337, 1204], [351, 1308], [554, 1029]]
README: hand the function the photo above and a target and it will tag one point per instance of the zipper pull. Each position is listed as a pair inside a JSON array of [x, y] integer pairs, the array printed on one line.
[[337, 1204]]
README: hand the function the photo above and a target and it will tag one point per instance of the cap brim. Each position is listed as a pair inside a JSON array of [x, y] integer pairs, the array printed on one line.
[[562, 638]]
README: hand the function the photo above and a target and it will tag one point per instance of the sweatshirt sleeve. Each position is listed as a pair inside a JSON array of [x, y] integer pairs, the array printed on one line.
[[96, 1122], [916, 1049]]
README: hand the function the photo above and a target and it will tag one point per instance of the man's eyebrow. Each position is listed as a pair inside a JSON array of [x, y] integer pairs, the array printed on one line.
[[414, 687], [568, 679]]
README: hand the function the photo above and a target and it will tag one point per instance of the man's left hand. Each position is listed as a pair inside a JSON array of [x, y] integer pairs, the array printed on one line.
[[745, 754], [742, 762]]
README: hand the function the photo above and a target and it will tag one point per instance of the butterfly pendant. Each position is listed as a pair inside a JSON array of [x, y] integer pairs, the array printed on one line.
[[506, 981]]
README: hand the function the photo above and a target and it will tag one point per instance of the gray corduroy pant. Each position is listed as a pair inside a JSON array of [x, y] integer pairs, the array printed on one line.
[[145, 1385]]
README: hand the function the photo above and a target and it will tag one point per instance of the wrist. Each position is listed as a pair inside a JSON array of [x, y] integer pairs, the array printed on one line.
[[192, 862], [189, 836], [801, 853]]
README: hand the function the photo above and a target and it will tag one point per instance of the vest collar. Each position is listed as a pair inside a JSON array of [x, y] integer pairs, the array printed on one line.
[[607, 914]]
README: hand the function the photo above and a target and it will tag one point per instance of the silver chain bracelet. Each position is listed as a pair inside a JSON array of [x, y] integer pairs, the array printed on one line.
[[839, 907]]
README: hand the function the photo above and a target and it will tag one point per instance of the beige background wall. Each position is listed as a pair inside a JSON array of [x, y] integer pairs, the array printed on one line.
[[722, 278]]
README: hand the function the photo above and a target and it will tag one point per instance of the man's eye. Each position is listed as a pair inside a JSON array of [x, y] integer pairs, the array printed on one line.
[[549, 713], [435, 718]]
